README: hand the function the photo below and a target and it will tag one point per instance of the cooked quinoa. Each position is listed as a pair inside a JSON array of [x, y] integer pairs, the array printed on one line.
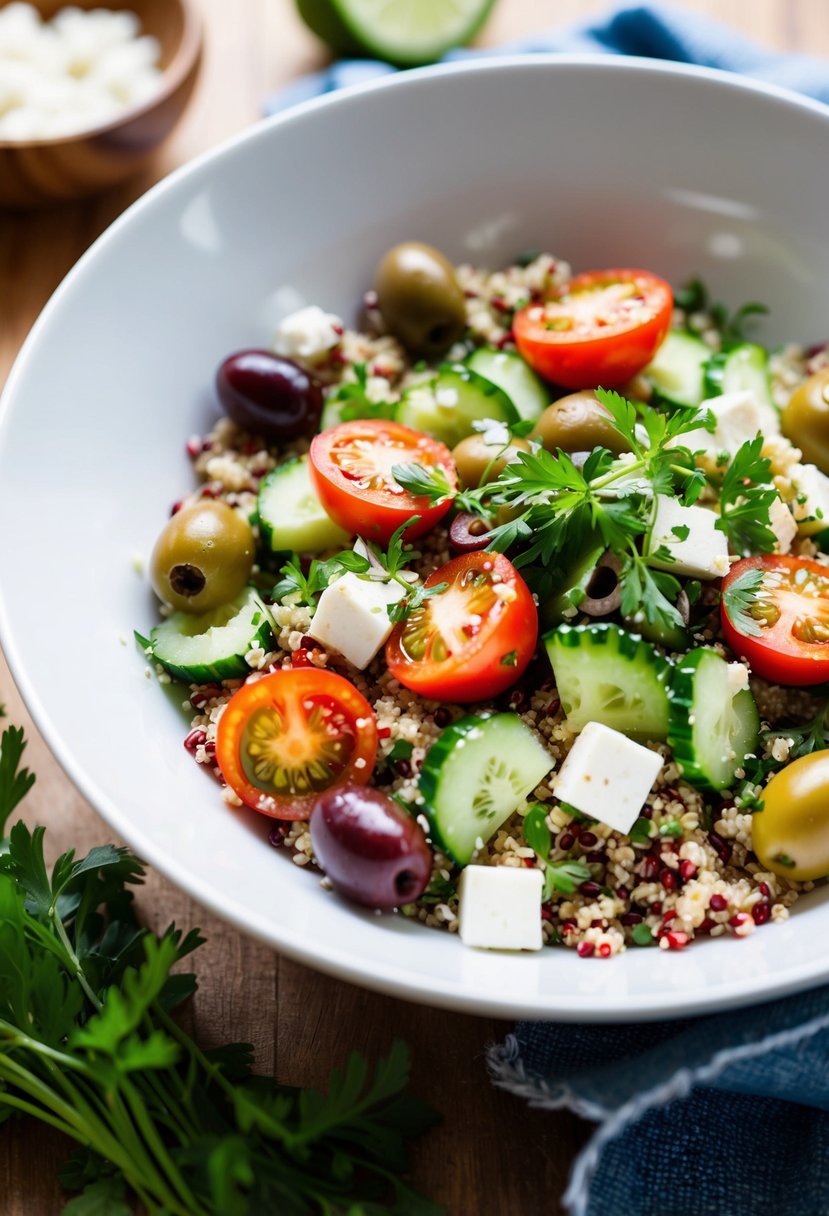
[[690, 871]]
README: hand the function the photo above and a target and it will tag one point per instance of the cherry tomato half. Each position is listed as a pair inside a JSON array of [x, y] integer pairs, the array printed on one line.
[[791, 834], [604, 329], [351, 468], [472, 640], [284, 739], [775, 614]]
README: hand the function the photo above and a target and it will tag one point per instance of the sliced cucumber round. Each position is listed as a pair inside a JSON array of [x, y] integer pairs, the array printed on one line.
[[479, 771], [605, 674], [742, 367], [290, 515], [447, 406], [508, 370], [200, 647], [711, 729], [677, 370]]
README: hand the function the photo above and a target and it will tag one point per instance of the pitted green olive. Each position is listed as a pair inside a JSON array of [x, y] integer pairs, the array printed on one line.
[[420, 298], [478, 461], [578, 423], [805, 419], [203, 558]]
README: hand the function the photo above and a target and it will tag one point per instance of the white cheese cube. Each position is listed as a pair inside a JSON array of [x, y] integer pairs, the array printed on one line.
[[352, 617], [307, 333], [690, 535], [782, 525], [500, 907], [739, 416], [811, 507], [607, 776]]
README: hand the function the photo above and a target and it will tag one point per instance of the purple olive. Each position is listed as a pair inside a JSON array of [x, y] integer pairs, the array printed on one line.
[[269, 395], [371, 850], [468, 532]]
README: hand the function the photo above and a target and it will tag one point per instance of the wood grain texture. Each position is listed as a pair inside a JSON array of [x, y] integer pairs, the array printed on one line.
[[499, 1157]]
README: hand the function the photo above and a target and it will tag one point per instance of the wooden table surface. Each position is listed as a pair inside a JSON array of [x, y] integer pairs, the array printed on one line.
[[499, 1157]]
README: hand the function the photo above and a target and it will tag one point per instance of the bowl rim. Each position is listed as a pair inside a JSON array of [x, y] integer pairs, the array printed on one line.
[[326, 956], [184, 61]]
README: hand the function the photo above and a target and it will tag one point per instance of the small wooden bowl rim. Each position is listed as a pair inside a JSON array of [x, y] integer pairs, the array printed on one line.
[[173, 75]]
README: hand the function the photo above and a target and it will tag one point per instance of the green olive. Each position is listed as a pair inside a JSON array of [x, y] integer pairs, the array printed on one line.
[[203, 558], [420, 298], [478, 461], [805, 419], [577, 423], [791, 834]]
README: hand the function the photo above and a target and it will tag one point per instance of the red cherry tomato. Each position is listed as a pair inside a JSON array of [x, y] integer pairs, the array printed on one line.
[[604, 329], [471, 640], [282, 740], [351, 468], [775, 614]]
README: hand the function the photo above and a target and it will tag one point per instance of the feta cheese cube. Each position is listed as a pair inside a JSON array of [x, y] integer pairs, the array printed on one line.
[[811, 507], [690, 535], [307, 333], [782, 525], [500, 907], [739, 416], [352, 617], [607, 776]]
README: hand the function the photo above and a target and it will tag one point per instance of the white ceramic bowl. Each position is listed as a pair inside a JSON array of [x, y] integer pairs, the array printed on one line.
[[601, 161]]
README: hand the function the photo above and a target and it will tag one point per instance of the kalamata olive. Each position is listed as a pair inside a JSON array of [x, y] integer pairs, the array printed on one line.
[[269, 395], [468, 532], [203, 558], [420, 299], [805, 420], [578, 423], [371, 850], [478, 460]]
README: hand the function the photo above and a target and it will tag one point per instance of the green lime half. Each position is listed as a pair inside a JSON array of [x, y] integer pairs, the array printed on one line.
[[404, 32]]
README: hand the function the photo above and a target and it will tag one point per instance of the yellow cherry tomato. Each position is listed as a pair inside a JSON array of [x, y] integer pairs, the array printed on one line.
[[791, 834]]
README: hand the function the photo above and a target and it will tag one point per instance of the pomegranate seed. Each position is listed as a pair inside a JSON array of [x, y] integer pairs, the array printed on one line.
[[656, 907], [764, 889], [566, 841], [307, 642], [403, 768], [706, 926], [194, 739], [676, 939], [717, 902], [197, 699], [176, 507], [590, 889], [210, 492], [739, 919], [604, 950], [761, 912], [300, 658], [648, 867], [567, 929], [529, 862], [194, 447], [631, 918], [667, 919], [585, 949], [623, 894], [546, 912], [687, 870], [720, 847], [588, 840], [668, 879]]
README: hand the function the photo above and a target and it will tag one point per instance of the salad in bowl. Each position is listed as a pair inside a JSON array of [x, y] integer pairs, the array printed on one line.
[[509, 606]]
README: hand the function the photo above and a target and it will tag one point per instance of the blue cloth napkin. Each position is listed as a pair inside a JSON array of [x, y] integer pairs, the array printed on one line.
[[719, 1116]]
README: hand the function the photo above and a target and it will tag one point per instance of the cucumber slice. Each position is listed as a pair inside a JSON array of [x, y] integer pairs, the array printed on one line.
[[743, 367], [479, 771], [200, 647], [401, 32], [447, 406], [290, 515], [677, 370], [508, 370], [605, 674], [711, 730]]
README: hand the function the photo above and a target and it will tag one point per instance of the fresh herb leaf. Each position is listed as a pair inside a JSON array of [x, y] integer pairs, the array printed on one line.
[[429, 482], [564, 877], [306, 588], [536, 832], [640, 833], [414, 601], [738, 599], [746, 495], [642, 935], [15, 782], [352, 401]]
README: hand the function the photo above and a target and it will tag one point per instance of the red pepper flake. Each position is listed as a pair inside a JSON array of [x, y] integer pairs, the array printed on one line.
[[585, 949], [677, 939]]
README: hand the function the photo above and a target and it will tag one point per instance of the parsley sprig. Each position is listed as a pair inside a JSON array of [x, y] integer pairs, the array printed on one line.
[[351, 399], [746, 494], [306, 588], [88, 1046]]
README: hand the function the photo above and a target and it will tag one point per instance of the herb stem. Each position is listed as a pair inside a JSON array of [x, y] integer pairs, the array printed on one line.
[[77, 969]]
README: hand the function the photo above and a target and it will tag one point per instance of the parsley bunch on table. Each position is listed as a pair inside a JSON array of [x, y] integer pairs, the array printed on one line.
[[88, 1045]]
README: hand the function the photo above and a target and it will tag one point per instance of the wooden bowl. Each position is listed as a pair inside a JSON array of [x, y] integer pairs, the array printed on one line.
[[44, 170]]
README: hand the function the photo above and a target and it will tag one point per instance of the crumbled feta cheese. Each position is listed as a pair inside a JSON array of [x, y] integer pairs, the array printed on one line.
[[811, 506], [739, 416], [352, 617], [782, 525], [697, 549], [737, 678], [607, 776], [308, 333], [500, 907]]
